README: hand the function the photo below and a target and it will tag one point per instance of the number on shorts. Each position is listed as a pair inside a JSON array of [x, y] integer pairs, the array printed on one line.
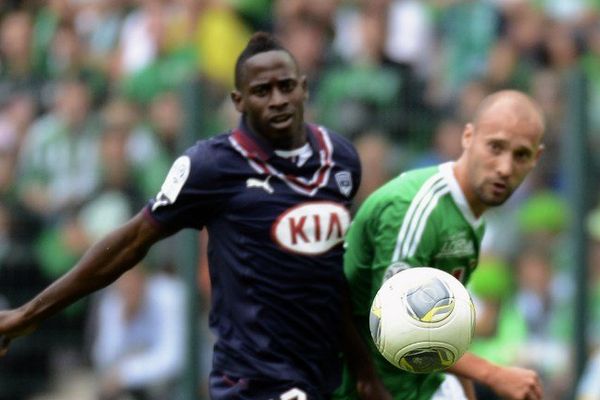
[[293, 394]]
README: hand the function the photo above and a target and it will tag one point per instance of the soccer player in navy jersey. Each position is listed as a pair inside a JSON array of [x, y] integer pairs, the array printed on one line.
[[274, 194]]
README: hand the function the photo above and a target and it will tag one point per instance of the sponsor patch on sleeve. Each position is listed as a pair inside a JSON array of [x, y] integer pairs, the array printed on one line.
[[176, 178]]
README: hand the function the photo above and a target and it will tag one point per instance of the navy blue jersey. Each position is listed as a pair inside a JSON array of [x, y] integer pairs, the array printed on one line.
[[275, 249]]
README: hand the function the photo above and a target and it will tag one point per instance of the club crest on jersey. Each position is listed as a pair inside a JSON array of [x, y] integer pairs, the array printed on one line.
[[344, 182], [311, 228]]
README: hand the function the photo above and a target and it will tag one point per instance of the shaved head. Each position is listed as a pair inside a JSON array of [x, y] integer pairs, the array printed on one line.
[[514, 105]]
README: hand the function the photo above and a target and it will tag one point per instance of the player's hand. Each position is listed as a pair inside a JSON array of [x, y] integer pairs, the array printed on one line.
[[11, 326], [514, 383], [372, 389]]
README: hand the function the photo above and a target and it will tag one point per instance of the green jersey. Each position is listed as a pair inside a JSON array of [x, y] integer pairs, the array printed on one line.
[[420, 218]]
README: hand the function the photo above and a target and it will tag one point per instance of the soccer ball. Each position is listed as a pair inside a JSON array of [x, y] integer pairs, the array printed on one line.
[[422, 320]]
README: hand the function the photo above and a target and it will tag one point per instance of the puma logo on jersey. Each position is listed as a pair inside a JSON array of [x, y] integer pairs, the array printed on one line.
[[257, 183], [293, 394]]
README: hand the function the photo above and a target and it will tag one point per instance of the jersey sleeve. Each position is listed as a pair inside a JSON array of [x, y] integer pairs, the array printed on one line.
[[192, 192], [376, 241], [358, 256], [369, 244]]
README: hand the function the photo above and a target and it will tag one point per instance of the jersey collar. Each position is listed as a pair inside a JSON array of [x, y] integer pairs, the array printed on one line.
[[447, 171], [257, 153]]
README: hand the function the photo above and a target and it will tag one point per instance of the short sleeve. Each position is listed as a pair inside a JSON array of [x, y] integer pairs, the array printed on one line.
[[193, 191], [361, 254]]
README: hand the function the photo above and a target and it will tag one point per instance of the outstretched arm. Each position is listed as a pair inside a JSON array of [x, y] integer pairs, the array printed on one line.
[[101, 265], [511, 383]]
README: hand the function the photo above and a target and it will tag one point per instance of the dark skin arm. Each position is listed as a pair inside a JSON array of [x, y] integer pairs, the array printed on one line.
[[358, 357], [101, 265]]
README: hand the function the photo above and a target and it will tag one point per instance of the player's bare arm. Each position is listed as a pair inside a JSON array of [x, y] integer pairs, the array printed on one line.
[[101, 265], [468, 387], [512, 383]]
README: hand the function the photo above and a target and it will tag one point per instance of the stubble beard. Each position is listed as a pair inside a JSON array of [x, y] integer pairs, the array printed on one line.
[[490, 200]]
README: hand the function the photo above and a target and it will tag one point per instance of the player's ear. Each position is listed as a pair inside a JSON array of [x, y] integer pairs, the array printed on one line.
[[539, 152], [304, 85], [467, 136], [238, 102]]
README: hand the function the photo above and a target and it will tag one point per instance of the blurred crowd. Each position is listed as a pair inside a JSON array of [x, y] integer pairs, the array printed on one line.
[[98, 97]]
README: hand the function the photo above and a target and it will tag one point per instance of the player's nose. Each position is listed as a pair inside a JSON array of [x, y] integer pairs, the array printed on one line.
[[279, 98], [505, 166]]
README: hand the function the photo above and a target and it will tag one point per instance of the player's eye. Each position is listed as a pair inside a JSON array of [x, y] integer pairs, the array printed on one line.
[[522, 155], [495, 147], [260, 90], [288, 85]]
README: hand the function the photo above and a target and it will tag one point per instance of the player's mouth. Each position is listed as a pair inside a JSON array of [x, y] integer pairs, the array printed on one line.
[[499, 188], [281, 121]]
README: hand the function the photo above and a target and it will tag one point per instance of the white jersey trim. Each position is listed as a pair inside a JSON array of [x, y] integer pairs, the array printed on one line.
[[447, 170], [415, 220], [296, 183]]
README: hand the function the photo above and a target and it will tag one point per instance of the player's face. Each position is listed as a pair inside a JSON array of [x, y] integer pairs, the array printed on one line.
[[272, 96], [501, 149]]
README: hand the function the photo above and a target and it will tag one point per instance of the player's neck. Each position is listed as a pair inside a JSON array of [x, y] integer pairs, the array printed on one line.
[[291, 143], [460, 173], [294, 139]]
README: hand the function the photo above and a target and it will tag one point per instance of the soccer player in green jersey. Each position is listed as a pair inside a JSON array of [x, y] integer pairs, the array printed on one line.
[[433, 217]]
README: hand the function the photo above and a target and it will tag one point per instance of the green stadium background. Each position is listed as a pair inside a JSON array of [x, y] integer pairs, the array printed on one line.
[[98, 97]]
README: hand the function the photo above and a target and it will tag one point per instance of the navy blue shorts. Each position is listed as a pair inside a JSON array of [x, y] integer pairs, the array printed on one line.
[[227, 387]]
